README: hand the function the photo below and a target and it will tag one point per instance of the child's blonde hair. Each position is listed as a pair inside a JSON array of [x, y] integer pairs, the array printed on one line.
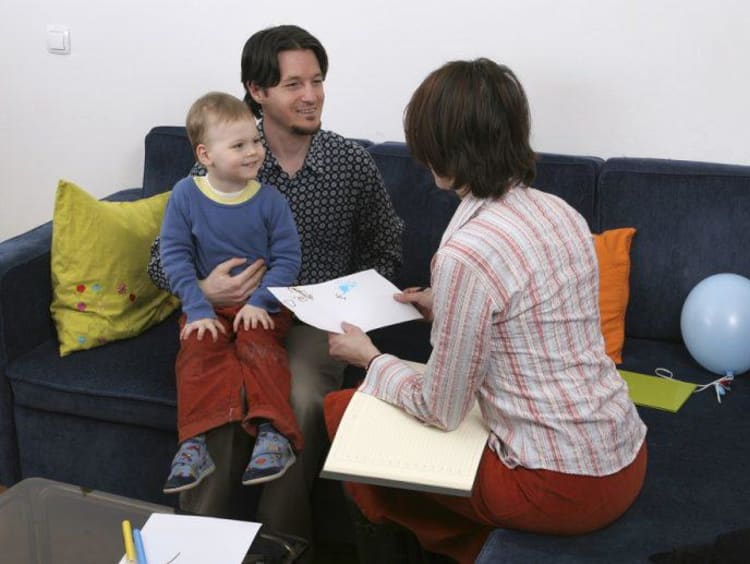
[[210, 109]]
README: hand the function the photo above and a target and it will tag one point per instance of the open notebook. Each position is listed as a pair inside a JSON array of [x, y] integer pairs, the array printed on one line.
[[378, 443]]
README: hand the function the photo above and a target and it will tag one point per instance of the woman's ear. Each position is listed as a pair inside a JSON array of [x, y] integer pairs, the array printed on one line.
[[201, 152]]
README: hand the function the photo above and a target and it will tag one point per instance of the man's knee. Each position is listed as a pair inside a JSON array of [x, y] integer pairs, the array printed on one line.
[[307, 405]]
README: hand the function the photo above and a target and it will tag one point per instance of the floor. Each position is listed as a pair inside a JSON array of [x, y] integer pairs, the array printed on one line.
[[336, 554]]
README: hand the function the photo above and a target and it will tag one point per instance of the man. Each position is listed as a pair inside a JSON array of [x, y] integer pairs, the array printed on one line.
[[346, 223]]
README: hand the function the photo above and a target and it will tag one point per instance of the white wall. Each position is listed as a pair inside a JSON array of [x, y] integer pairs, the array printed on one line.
[[651, 78]]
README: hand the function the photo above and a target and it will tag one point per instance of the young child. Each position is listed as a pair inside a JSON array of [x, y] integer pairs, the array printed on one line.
[[209, 219]]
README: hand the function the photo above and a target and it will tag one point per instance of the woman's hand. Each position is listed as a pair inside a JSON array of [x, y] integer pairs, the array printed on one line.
[[421, 298], [221, 288], [353, 346]]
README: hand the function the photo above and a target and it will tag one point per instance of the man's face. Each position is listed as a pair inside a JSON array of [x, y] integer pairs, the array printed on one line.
[[296, 102]]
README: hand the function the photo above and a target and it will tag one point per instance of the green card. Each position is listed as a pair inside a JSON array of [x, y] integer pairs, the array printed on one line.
[[653, 391]]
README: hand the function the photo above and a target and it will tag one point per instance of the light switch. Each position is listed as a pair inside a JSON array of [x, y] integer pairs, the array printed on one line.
[[58, 39]]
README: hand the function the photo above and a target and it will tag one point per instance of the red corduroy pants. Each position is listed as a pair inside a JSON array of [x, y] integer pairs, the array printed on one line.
[[540, 501], [239, 377]]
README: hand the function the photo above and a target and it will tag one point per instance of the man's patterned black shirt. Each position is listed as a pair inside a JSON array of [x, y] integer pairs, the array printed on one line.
[[344, 216]]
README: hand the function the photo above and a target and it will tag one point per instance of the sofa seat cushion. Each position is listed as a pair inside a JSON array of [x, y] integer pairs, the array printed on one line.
[[697, 471], [129, 381], [646, 355]]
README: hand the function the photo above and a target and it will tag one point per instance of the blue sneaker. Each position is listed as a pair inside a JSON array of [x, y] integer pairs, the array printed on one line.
[[271, 458], [190, 465]]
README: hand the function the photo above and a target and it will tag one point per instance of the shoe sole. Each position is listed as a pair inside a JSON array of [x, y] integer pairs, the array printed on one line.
[[206, 473], [271, 477]]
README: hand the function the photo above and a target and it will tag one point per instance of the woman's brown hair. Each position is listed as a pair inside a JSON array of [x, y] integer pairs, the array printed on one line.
[[469, 121]]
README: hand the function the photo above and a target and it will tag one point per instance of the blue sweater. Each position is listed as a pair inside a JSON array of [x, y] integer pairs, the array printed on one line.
[[202, 229]]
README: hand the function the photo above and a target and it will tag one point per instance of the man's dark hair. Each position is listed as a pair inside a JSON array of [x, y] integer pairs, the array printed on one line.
[[469, 121], [260, 57]]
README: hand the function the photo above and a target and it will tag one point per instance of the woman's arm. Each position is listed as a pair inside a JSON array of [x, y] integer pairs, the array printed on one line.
[[352, 346], [463, 309], [461, 339]]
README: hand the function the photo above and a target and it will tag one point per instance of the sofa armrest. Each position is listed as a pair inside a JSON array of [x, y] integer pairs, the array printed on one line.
[[25, 319], [26, 287], [25, 294]]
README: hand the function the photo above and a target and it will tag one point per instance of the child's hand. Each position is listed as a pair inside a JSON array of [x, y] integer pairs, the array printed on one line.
[[251, 316], [209, 324]]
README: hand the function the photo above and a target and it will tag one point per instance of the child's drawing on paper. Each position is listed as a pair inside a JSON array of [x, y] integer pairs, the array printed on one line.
[[296, 295], [364, 299], [344, 288]]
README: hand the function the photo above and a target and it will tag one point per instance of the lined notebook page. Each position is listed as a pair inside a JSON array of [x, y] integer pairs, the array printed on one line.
[[381, 444]]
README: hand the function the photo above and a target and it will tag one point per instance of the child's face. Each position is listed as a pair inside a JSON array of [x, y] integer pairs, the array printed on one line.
[[233, 153]]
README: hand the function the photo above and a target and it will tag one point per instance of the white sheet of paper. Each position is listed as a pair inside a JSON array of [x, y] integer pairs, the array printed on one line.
[[364, 299], [190, 539]]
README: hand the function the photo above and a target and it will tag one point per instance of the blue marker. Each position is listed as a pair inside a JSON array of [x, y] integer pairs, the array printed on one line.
[[140, 551]]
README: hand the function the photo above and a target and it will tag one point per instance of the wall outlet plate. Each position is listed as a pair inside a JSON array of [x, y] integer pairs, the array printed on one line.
[[58, 39]]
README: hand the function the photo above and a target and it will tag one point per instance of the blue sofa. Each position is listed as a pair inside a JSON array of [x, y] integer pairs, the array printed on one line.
[[105, 418]]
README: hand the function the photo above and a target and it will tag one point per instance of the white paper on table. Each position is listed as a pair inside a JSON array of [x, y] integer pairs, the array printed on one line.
[[191, 539], [364, 299]]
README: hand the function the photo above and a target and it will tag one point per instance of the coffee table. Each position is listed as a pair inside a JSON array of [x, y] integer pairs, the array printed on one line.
[[47, 522]]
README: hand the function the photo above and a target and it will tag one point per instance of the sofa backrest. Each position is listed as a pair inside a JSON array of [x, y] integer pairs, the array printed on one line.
[[169, 157], [690, 217], [692, 221], [572, 178], [426, 209]]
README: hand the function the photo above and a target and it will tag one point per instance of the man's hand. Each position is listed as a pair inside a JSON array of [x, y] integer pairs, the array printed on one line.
[[251, 316], [202, 326], [221, 288], [421, 298]]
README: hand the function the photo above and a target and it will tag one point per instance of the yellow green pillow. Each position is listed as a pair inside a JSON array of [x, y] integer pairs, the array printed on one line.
[[101, 291]]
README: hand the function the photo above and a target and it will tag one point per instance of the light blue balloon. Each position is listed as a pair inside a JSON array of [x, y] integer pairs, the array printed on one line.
[[715, 323]]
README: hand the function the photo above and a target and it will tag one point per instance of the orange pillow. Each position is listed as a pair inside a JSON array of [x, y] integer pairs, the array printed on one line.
[[613, 254]]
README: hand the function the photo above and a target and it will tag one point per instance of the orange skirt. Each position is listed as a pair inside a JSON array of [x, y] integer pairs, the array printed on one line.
[[539, 501]]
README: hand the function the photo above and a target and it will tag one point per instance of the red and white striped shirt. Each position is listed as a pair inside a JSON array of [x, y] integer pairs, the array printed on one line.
[[516, 326]]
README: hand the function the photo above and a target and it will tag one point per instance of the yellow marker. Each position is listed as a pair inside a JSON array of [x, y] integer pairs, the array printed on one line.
[[127, 537]]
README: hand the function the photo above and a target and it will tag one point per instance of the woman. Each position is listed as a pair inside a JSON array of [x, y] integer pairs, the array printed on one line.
[[515, 313]]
